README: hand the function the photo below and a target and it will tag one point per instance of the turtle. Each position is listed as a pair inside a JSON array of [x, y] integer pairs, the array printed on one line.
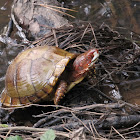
[[44, 73]]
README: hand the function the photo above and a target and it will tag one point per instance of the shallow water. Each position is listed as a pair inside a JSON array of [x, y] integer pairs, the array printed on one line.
[[7, 53], [5, 7], [117, 14], [123, 16]]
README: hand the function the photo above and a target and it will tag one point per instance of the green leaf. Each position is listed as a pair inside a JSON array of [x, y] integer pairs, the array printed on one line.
[[48, 135], [14, 138], [3, 125]]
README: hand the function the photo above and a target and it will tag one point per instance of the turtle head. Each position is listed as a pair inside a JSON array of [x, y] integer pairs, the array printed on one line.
[[84, 62], [81, 65]]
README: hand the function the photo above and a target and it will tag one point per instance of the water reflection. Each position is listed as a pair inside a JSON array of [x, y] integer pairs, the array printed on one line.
[[7, 53], [124, 13], [5, 7]]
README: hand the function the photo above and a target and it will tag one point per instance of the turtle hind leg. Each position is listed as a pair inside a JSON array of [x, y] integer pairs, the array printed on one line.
[[60, 92]]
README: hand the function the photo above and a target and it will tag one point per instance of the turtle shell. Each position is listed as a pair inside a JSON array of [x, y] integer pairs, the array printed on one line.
[[33, 74]]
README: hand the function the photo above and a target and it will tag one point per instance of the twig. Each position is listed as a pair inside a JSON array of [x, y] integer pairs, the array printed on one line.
[[56, 7], [95, 130], [118, 133], [55, 38], [93, 34], [81, 122], [92, 130], [23, 128], [47, 6], [84, 32]]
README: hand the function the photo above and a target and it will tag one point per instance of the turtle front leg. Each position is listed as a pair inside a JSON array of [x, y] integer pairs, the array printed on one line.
[[60, 92]]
